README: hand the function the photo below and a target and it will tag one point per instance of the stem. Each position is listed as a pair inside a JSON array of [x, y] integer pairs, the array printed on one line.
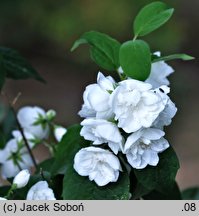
[[11, 191], [24, 138]]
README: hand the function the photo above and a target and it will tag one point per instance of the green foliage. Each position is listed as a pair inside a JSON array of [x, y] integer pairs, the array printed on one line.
[[135, 59], [161, 177], [7, 124], [76, 187], [191, 194], [173, 193], [184, 57], [151, 17], [67, 148], [104, 50], [15, 66]]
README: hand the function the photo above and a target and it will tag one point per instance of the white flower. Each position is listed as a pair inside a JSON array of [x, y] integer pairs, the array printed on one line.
[[135, 105], [100, 165], [96, 97], [22, 178], [159, 73], [1, 198], [102, 131], [40, 191], [28, 116], [59, 132], [15, 148], [143, 146], [165, 117]]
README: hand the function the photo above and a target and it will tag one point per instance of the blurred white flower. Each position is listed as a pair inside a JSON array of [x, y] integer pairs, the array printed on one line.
[[159, 73], [100, 165], [22, 178], [165, 117], [32, 120], [1, 198], [135, 105], [143, 146], [59, 132], [96, 98], [15, 156], [102, 131], [40, 191]]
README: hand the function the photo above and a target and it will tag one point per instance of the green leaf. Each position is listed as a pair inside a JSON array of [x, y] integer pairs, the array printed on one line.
[[8, 124], [162, 176], [135, 59], [2, 73], [67, 148], [104, 50], [184, 57], [76, 187], [151, 17], [16, 66], [172, 193], [191, 194]]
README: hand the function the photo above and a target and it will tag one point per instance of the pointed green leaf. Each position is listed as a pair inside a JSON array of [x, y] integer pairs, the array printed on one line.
[[151, 17], [162, 176], [135, 59], [76, 187], [16, 66], [104, 50], [184, 57]]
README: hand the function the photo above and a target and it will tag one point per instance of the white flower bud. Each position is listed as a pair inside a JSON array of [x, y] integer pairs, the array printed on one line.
[[59, 132], [22, 178], [50, 115]]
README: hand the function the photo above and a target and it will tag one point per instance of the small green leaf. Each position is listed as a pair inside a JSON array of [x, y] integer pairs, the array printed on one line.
[[162, 176], [151, 17], [16, 66], [2, 73], [184, 57], [104, 50], [76, 187], [135, 59], [67, 148], [191, 194]]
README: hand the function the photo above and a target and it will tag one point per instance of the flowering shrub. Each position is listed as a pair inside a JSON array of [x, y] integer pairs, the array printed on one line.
[[119, 150]]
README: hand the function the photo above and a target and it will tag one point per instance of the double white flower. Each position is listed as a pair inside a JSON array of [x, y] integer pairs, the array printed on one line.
[[135, 105], [143, 146], [96, 98], [102, 131], [100, 165], [40, 191]]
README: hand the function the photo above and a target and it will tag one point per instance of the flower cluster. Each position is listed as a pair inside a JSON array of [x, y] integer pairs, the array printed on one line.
[[126, 118], [36, 125]]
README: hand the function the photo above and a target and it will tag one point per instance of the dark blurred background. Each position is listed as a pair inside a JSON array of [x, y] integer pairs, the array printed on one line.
[[44, 31]]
